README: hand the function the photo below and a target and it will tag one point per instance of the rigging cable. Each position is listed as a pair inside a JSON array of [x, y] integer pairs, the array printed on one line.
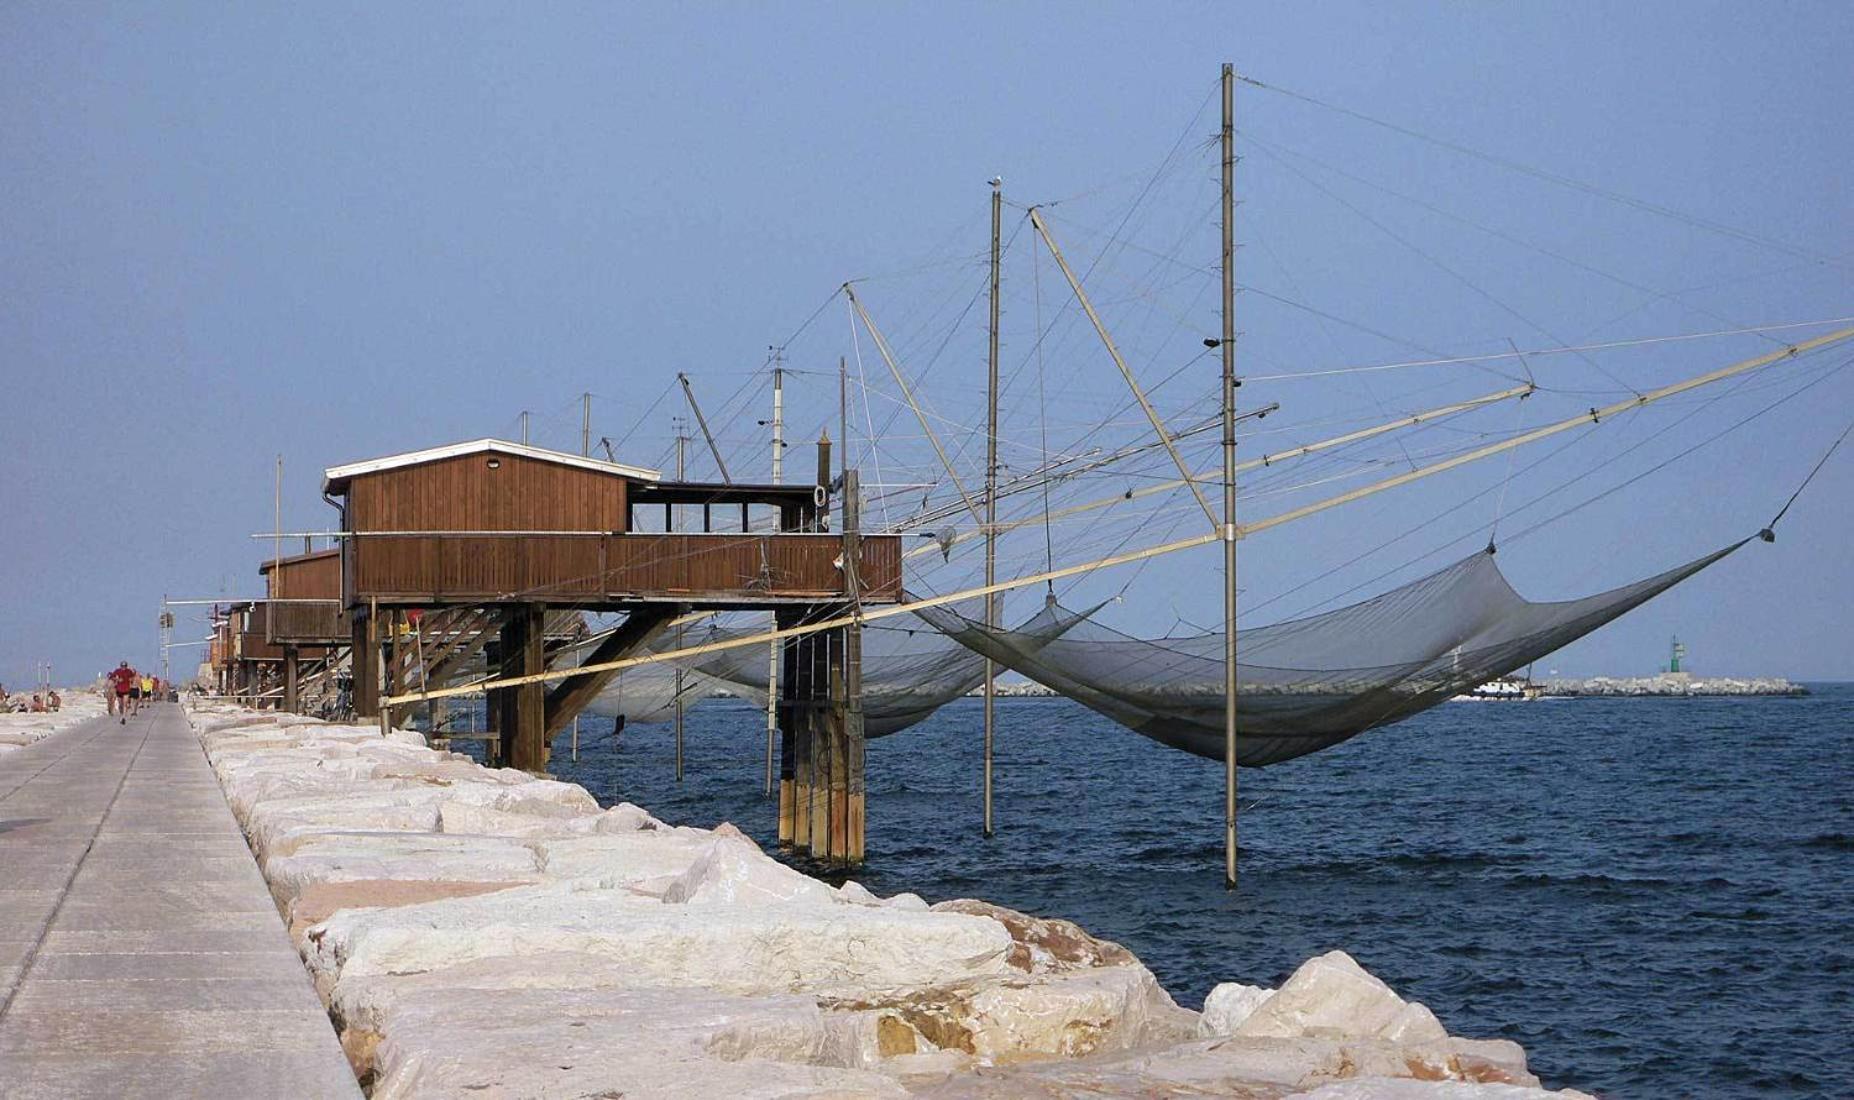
[[1552, 177], [1771, 526], [1414, 247], [1519, 406]]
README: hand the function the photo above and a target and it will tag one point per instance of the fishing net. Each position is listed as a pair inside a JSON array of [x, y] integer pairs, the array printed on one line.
[[908, 673], [1308, 684]]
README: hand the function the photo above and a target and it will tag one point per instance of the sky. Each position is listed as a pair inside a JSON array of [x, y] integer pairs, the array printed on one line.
[[329, 232]]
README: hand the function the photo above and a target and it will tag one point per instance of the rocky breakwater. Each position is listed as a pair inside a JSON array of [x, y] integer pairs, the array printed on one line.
[[19, 729], [1674, 684], [479, 932]]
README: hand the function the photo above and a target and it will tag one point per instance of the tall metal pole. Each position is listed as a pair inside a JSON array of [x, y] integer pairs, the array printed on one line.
[[585, 424], [991, 494], [682, 441], [772, 648], [1228, 346], [524, 427]]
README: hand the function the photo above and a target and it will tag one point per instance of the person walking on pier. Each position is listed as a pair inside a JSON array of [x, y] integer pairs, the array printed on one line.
[[122, 682]]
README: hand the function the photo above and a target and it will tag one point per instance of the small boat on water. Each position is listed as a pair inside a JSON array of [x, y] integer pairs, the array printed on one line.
[[1505, 689]]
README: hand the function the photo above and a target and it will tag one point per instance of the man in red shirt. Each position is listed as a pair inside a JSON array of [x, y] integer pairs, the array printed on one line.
[[121, 682]]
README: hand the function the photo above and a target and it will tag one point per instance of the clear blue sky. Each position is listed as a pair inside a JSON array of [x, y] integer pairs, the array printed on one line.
[[335, 231]]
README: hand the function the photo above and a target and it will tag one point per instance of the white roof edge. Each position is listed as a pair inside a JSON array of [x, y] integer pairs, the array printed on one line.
[[479, 446]]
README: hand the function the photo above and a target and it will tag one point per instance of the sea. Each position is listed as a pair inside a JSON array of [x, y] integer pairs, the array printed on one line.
[[1654, 896]]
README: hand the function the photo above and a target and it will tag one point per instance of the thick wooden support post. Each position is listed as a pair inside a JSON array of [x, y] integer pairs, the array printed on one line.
[[291, 685], [524, 731], [822, 743], [532, 745], [572, 696], [839, 752], [804, 742], [854, 743], [494, 749], [788, 732], [365, 666]]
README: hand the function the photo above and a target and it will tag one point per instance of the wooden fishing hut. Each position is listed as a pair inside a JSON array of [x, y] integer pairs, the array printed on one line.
[[243, 655], [499, 535], [303, 617]]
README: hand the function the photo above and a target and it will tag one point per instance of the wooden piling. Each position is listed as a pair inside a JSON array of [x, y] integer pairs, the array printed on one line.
[[291, 685], [524, 729], [366, 667], [839, 762], [788, 734], [821, 742], [802, 715]]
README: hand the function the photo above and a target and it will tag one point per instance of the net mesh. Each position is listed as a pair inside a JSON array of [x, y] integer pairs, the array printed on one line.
[[1308, 684], [907, 673]]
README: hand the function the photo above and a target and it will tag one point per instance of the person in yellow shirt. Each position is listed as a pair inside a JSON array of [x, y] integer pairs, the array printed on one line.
[[147, 686]]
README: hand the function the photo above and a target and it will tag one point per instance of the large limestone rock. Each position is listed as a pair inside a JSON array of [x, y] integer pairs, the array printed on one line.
[[1235, 1067], [1228, 1005], [655, 1043], [1071, 995], [318, 902], [643, 861], [350, 856], [838, 950], [1332, 996], [733, 871]]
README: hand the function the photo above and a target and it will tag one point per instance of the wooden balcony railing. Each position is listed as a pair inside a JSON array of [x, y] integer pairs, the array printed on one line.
[[703, 568]]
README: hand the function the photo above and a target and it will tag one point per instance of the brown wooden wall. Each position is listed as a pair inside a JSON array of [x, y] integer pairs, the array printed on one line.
[[302, 624], [314, 577], [465, 494], [423, 570]]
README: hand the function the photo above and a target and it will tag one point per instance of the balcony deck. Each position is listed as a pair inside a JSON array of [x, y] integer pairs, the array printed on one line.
[[595, 569]]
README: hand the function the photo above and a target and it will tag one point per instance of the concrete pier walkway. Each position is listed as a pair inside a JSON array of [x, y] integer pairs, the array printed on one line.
[[140, 953]]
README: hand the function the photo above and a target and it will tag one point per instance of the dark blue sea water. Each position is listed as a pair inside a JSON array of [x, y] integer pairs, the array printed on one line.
[[1653, 896]]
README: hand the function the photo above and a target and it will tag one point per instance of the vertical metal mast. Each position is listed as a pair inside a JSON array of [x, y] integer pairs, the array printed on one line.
[[585, 424], [1228, 346], [991, 493], [682, 443], [772, 648]]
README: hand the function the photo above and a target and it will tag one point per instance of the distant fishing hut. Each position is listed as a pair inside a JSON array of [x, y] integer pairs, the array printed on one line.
[[303, 618], [243, 656], [494, 537]]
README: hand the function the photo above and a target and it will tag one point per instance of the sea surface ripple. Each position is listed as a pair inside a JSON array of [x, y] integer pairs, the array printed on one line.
[[1651, 895]]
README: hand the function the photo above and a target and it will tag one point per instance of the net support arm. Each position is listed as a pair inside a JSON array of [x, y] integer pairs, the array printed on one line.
[[1113, 351], [1316, 447], [1594, 416], [907, 393], [688, 391]]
